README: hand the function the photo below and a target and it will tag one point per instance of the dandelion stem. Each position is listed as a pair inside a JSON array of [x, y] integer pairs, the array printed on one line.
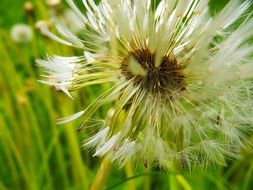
[[183, 182], [129, 173], [101, 176], [172, 181], [147, 182]]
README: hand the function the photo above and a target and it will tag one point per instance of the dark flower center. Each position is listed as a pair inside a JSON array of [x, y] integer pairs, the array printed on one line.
[[167, 78]]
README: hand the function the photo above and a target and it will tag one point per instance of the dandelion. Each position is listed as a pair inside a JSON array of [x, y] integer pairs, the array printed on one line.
[[21, 33], [182, 79]]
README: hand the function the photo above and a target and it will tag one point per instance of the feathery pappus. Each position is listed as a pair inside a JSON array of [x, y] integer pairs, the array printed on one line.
[[181, 78]]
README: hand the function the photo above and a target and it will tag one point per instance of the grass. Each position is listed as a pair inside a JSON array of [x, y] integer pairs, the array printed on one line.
[[37, 154]]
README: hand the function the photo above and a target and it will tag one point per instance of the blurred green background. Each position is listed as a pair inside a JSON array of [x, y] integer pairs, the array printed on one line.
[[37, 154]]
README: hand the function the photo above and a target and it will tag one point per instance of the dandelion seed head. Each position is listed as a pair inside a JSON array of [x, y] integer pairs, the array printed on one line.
[[21, 33], [180, 79]]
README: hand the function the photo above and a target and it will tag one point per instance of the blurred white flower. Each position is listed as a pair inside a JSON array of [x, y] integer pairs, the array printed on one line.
[[53, 3], [21, 33], [181, 78]]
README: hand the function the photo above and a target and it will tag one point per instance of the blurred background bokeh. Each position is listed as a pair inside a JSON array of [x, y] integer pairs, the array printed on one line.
[[35, 153]]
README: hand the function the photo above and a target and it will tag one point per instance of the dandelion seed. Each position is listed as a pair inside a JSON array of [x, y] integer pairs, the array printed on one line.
[[181, 77], [60, 72]]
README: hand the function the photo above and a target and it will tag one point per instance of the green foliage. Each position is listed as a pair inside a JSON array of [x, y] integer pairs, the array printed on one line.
[[11, 17]]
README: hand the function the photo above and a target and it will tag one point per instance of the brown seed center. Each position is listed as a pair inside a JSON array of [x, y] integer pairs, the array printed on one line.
[[166, 79]]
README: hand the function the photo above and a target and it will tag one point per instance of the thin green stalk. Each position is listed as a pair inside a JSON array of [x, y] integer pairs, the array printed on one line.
[[151, 174], [183, 182], [129, 173], [41, 9], [17, 155], [173, 182], [147, 182], [102, 175], [31, 127], [7, 154], [248, 177]]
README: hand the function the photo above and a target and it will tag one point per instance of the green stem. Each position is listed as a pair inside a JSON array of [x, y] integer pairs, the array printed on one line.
[[101, 176], [172, 181], [183, 182], [129, 173]]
